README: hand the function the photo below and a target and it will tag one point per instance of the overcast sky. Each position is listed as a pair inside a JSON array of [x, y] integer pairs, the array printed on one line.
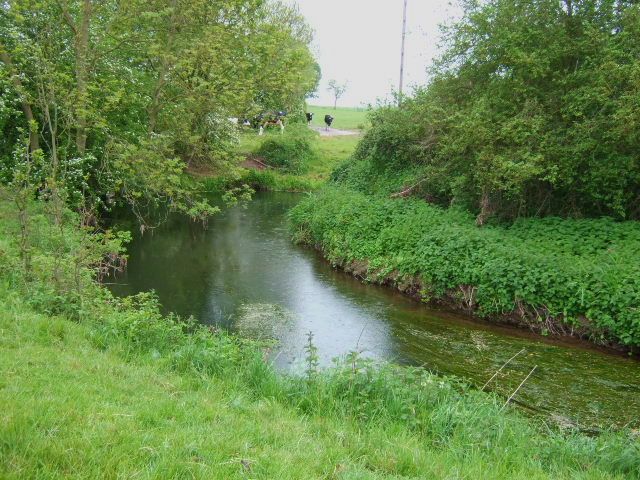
[[358, 41]]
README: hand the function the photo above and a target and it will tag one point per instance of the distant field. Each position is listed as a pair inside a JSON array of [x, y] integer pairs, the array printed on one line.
[[330, 150], [345, 118]]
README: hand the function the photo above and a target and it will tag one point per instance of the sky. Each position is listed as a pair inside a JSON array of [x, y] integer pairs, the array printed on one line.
[[358, 42]]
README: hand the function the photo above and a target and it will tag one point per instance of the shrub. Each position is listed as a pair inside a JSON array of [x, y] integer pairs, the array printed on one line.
[[289, 152]]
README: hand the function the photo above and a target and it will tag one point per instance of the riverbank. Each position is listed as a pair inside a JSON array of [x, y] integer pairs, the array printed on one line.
[[94, 386], [327, 152], [556, 277]]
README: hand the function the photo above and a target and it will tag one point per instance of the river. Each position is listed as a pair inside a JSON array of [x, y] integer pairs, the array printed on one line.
[[243, 272]]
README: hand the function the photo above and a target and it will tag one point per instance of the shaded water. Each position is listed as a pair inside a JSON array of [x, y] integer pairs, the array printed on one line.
[[243, 272]]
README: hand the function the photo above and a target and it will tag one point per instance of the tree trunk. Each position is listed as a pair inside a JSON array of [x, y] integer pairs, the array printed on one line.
[[26, 106], [485, 208]]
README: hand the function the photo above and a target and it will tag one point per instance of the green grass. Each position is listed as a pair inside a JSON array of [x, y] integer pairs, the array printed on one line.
[[345, 118], [73, 411], [330, 152], [123, 391]]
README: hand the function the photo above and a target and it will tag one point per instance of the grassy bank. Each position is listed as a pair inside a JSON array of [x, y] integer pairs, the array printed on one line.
[[328, 152], [98, 387], [566, 277]]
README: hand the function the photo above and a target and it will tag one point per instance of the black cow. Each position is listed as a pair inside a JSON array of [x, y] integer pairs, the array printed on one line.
[[328, 119], [309, 117]]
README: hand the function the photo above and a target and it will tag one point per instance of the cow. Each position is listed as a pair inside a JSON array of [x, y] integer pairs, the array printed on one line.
[[265, 120], [309, 117], [328, 119]]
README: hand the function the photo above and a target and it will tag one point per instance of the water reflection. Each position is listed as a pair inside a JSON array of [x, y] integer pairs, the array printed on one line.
[[246, 258]]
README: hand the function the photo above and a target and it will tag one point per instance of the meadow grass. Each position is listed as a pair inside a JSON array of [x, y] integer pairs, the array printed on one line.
[[71, 410], [345, 118]]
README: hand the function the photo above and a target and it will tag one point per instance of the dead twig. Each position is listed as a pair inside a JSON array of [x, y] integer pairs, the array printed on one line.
[[519, 386], [500, 369]]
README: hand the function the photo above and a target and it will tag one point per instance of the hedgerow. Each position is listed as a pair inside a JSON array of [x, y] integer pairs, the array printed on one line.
[[578, 277]]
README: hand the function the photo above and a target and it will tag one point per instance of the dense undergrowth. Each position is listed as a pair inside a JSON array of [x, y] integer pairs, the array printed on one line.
[[96, 386], [290, 152], [578, 277]]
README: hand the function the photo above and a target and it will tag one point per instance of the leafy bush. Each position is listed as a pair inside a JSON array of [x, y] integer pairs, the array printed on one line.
[[569, 276], [531, 110], [291, 151]]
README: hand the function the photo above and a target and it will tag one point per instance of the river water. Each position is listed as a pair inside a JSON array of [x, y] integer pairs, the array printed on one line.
[[243, 272]]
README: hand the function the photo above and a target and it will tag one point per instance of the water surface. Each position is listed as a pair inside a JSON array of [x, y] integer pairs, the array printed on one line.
[[244, 270]]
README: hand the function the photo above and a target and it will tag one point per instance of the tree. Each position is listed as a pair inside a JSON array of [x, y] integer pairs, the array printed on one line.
[[531, 110], [337, 89], [122, 97]]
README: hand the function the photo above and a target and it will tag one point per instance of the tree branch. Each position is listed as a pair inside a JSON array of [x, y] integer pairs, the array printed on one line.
[[67, 17]]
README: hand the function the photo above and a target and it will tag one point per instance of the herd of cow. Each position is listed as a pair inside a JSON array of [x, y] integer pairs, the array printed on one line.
[[274, 119]]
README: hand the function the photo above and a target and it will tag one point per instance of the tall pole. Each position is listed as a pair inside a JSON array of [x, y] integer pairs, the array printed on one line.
[[404, 34]]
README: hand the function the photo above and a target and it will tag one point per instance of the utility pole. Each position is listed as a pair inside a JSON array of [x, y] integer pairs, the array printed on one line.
[[404, 34]]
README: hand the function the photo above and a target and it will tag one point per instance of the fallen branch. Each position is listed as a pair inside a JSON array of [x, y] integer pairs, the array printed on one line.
[[407, 191]]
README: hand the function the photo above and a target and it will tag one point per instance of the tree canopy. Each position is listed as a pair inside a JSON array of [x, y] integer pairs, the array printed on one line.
[[117, 98], [533, 109]]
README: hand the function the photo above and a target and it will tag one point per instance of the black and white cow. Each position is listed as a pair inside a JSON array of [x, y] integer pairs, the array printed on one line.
[[328, 119], [272, 119], [309, 117]]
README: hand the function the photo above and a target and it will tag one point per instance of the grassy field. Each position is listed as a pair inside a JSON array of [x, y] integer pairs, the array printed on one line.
[[345, 118], [330, 151]]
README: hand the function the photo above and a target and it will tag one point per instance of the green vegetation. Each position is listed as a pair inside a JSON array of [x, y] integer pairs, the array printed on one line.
[[113, 102], [532, 110], [346, 118], [312, 166], [290, 152], [110, 388], [579, 277]]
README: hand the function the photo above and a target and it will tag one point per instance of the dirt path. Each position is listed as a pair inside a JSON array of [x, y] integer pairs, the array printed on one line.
[[333, 132]]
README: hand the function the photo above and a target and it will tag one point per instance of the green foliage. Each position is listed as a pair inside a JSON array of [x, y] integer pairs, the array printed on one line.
[[558, 276], [531, 110], [113, 94], [291, 152]]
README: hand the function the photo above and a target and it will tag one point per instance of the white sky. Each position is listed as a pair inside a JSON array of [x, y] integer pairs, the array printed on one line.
[[358, 41]]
